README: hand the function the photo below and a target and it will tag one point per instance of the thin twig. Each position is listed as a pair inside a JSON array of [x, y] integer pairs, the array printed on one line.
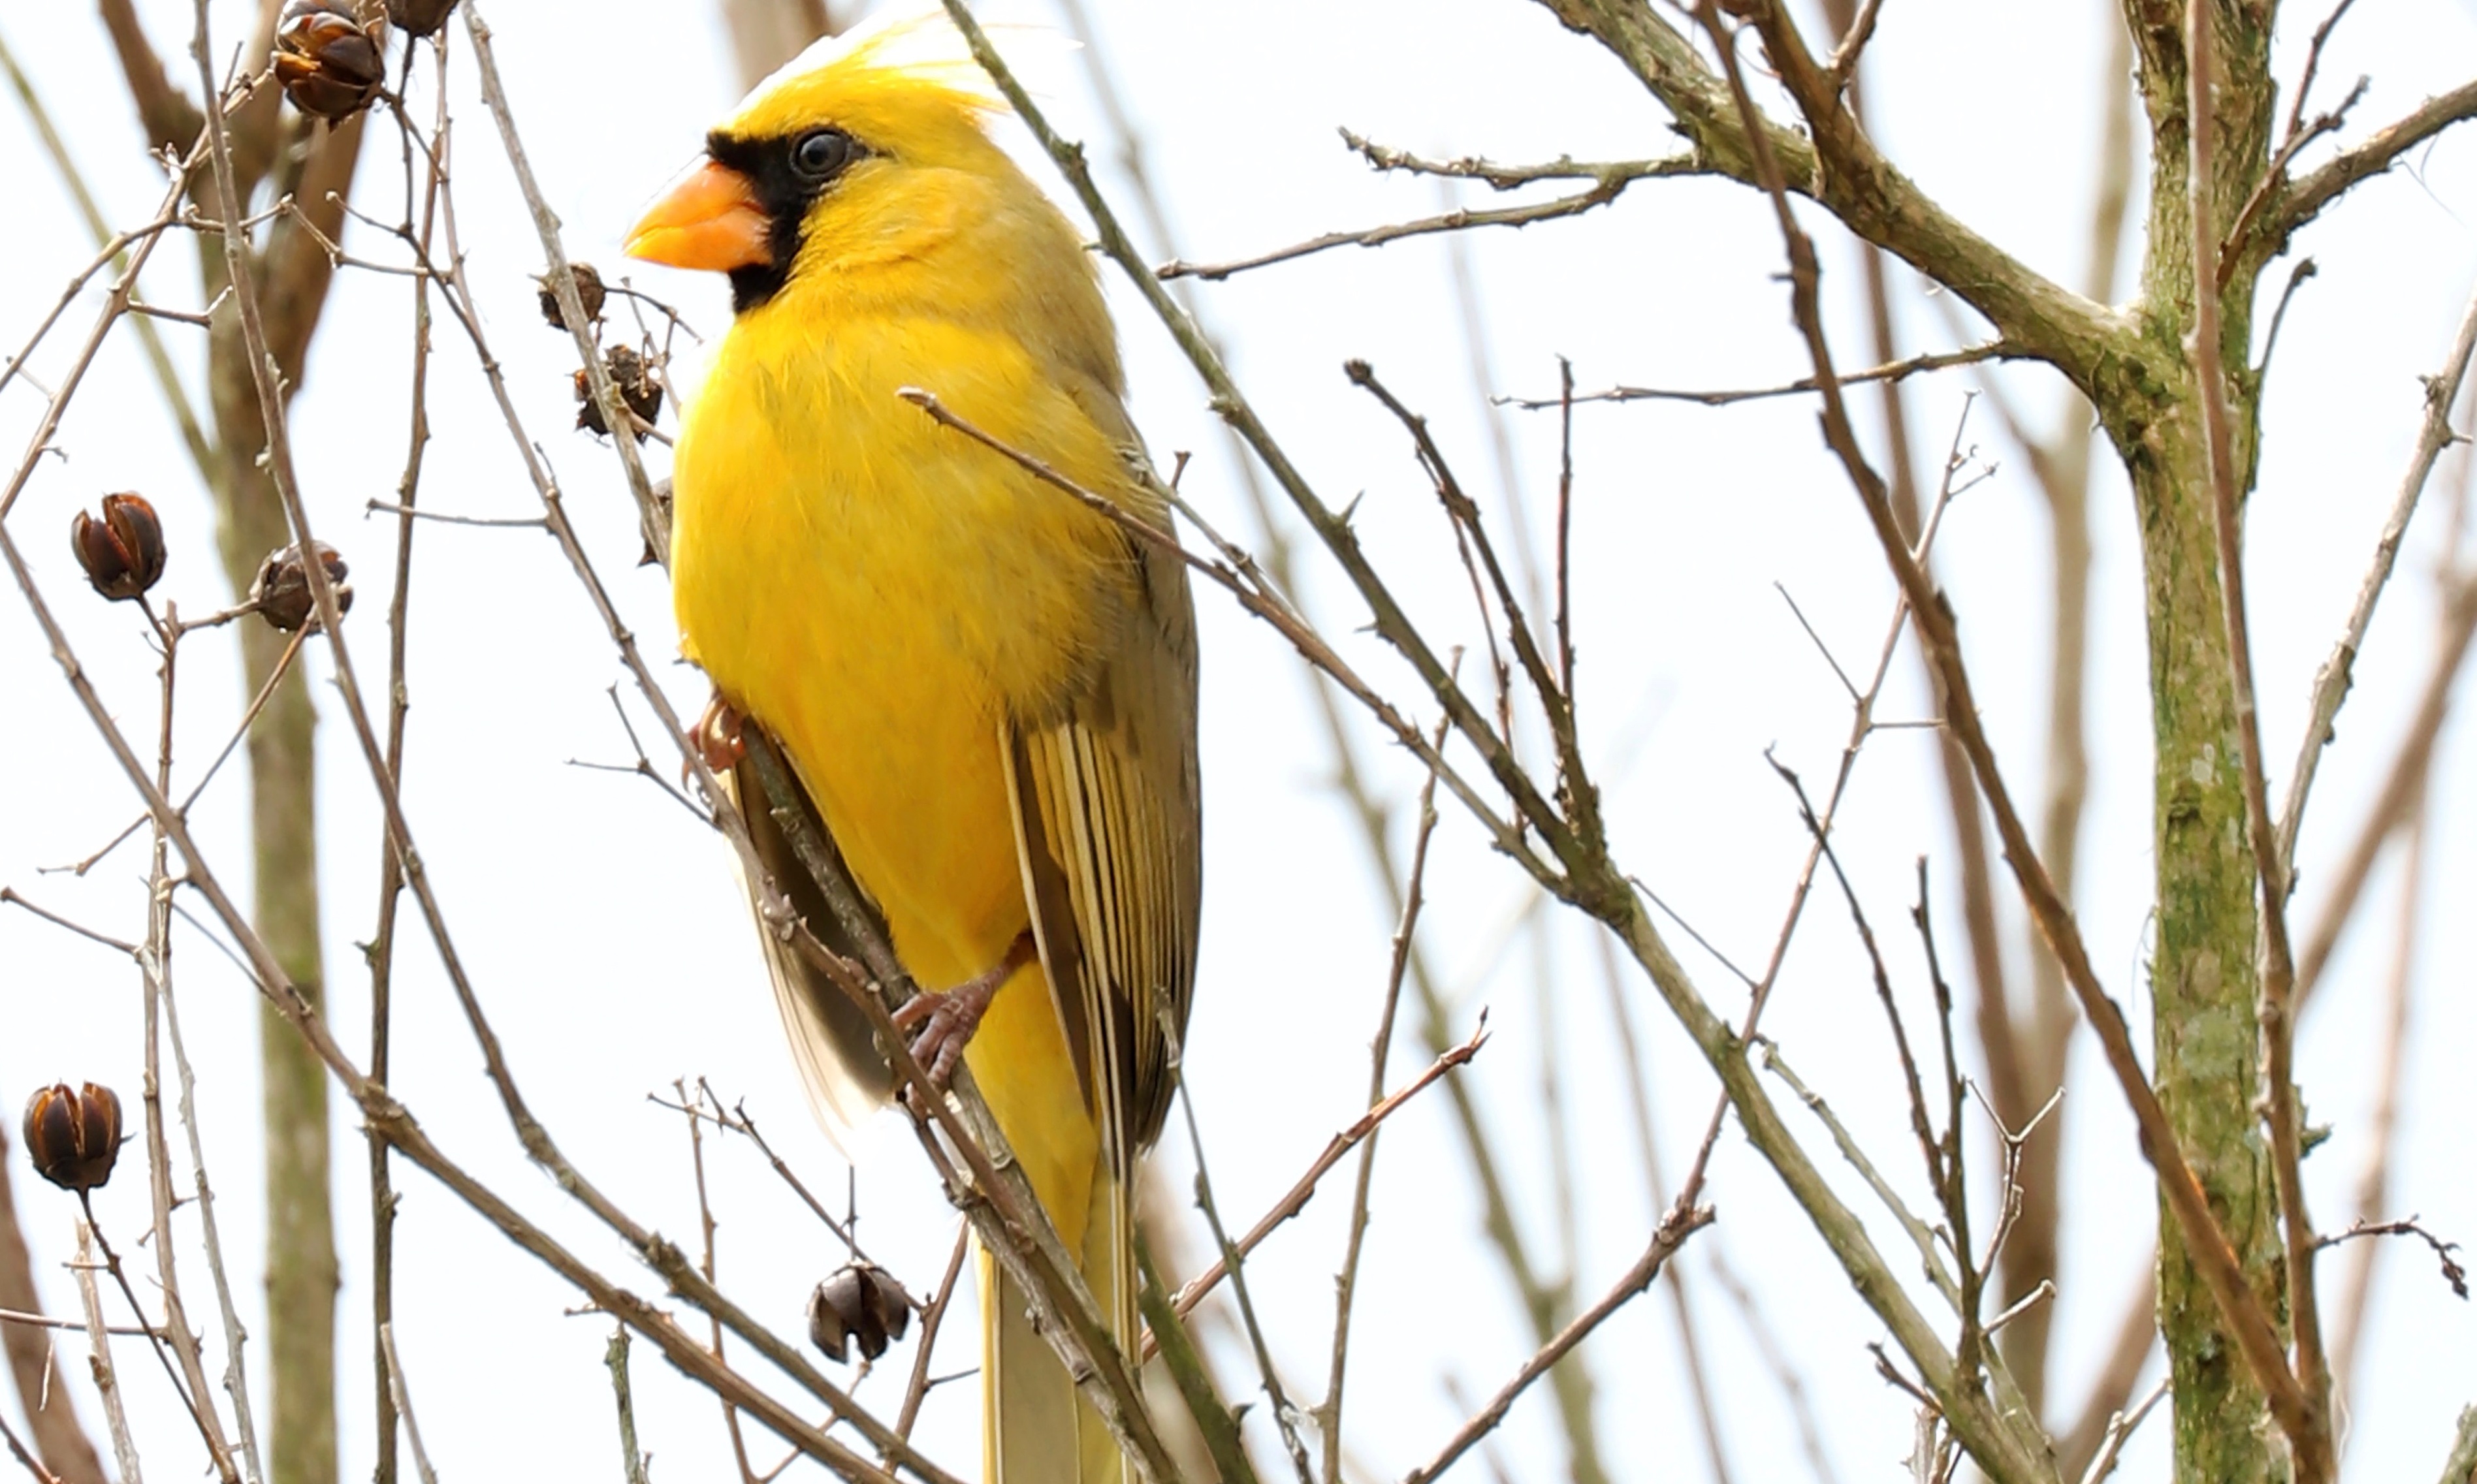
[[2404, 783], [1894, 371], [1461, 219], [2382, 1130], [2453, 1274], [614, 1357], [1340, 1144], [2309, 193], [1286, 1415], [915, 1391], [9, 895], [2128, 1354], [2119, 1430], [401, 1404], [107, 1385], [167, 380], [155, 970], [19, 1450], [1630, 1058], [706, 1225], [1214, 1422], [1345, 1284], [201, 1194], [2338, 674], [1680, 1224]]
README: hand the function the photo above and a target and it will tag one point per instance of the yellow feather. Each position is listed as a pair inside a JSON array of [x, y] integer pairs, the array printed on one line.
[[986, 689]]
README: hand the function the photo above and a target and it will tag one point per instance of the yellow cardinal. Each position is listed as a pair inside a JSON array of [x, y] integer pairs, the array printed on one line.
[[986, 689]]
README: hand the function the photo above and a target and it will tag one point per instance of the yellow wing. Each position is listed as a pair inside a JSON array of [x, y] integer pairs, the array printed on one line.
[[1108, 831]]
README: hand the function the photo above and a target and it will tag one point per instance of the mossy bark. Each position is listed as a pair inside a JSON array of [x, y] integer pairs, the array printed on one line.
[[2203, 970]]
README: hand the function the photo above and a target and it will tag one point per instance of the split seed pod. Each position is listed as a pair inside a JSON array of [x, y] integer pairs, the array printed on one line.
[[123, 552], [589, 292], [636, 387], [282, 591], [328, 57], [73, 1134], [420, 17], [860, 1306]]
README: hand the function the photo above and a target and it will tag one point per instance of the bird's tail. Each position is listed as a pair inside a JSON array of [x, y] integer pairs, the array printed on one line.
[[1039, 1430]]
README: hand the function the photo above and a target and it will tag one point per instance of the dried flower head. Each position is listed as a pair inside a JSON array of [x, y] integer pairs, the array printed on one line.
[[637, 387], [123, 552], [282, 591], [589, 292], [327, 56], [73, 1134], [420, 17], [860, 1306]]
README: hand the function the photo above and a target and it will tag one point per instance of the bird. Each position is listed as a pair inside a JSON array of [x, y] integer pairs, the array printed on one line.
[[986, 688]]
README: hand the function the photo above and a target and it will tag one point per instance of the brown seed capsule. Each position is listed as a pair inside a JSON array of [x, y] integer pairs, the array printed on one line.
[[636, 387], [589, 292], [123, 553], [420, 17], [860, 1306], [73, 1134], [282, 591], [328, 57]]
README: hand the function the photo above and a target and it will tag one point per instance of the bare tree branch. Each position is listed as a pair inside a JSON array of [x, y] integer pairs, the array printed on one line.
[[2316, 189]]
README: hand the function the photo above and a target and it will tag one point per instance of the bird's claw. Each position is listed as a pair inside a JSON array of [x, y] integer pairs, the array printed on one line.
[[942, 1023], [948, 1017], [717, 735]]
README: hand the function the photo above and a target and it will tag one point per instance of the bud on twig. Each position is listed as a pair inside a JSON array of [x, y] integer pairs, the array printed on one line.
[[123, 553], [282, 591], [636, 387], [327, 55], [589, 292], [420, 17], [73, 1135], [862, 1305]]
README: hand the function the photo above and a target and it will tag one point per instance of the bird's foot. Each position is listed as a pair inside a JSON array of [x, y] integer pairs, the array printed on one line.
[[944, 1020], [717, 735]]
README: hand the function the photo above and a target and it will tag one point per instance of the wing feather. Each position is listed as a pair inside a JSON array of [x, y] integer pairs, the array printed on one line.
[[845, 1069], [1107, 831]]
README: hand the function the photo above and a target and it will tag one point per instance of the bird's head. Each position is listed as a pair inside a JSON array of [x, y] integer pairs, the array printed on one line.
[[865, 151]]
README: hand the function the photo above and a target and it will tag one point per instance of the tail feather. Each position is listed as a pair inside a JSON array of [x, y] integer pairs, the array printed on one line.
[[1039, 1430]]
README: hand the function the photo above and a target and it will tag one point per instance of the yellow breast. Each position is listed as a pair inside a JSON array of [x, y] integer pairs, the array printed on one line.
[[882, 593]]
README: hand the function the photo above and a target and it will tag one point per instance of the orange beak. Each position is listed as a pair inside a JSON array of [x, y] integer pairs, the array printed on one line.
[[710, 220]]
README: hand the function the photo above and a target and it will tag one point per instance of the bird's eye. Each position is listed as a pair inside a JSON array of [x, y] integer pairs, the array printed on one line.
[[820, 153]]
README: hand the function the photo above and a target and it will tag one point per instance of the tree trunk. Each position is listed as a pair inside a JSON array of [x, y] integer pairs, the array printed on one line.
[[2203, 971], [315, 165]]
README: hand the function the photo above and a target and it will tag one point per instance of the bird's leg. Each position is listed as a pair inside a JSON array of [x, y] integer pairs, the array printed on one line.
[[716, 734], [948, 1017]]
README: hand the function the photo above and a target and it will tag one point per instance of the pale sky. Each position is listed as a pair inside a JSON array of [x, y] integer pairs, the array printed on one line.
[[608, 936]]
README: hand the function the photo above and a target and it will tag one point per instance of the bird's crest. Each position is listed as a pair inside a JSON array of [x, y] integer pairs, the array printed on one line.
[[914, 46]]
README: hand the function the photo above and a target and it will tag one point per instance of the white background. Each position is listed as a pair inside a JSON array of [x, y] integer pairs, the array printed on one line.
[[608, 936]]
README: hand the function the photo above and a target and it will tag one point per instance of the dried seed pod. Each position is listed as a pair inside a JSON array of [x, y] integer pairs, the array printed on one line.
[[327, 56], [636, 387], [282, 591], [589, 292], [123, 553], [420, 17], [860, 1306], [73, 1134]]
